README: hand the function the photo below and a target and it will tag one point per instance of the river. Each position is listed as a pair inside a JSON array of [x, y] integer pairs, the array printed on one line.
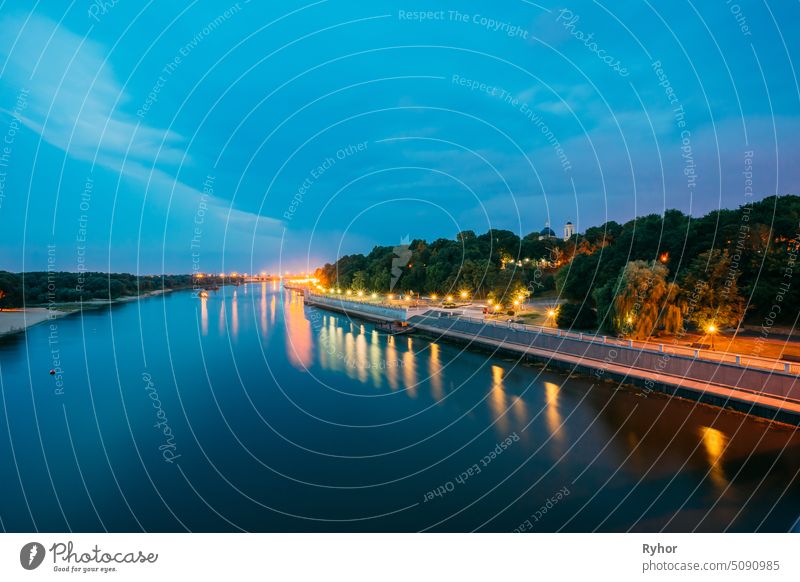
[[250, 411]]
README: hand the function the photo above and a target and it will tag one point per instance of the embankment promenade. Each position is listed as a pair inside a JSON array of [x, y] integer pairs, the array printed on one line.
[[761, 387]]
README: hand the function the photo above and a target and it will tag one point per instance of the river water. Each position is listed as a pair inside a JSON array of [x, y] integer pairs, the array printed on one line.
[[250, 411]]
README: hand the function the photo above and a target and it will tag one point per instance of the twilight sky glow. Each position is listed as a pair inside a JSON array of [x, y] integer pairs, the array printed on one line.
[[150, 137]]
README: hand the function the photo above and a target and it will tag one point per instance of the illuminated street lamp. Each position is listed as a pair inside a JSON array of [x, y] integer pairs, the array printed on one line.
[[433, 297], [374, 295], [464, 295], [449, 298], [711, 330], [360, 293], [551, 312], [497, 307]]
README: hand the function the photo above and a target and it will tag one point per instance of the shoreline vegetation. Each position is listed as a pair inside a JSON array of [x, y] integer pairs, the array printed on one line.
[[661, 275], [28, 299]]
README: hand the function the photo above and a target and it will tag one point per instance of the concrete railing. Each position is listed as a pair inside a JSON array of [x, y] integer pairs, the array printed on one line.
[[742, 360], [769, 377], [365, 307]]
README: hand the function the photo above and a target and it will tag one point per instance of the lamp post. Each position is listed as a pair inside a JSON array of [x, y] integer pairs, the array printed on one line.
[[711, 330]]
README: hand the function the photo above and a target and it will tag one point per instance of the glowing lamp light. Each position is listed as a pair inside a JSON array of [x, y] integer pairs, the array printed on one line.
[[374, 295], [711, 328], [489, 301], [516, 302], [433, 297], [464, 295], [348, 292], [360, 293], [449, 298], [390, 296], [497, 308], [551, 313]]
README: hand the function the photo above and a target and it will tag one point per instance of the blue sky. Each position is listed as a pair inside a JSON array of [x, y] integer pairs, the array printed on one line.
[[162, 136]]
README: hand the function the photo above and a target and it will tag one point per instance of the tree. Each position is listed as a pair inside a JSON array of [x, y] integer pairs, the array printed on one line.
[[645, 302], [710, 289], [576, 316], [574, 280], [359, 281]]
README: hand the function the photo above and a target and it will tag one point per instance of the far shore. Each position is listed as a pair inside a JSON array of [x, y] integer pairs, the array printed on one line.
[[17, 320]]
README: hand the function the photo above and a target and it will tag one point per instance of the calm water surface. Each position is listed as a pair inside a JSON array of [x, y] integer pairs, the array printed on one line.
[[250, 411]]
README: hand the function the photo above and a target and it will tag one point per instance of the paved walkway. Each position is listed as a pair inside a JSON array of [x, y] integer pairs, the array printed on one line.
[[703, 390]]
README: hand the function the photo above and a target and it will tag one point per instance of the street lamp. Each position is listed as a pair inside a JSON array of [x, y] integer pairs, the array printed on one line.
[[711, 330]]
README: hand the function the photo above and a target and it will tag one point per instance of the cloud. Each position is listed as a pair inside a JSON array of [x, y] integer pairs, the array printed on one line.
[[74, 98], [76, 103]]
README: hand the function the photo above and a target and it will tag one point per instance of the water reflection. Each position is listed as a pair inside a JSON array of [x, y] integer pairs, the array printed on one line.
[[410, 369], [498, 403], [391, 363], [552, 413], [715, 442], [204, 315], [435, 371], [361, 362], [235, 315], [377, 366], [264, 307], [298, 331]]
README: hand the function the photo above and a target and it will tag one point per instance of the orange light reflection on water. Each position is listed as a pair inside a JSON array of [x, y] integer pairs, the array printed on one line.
[[298, 332]]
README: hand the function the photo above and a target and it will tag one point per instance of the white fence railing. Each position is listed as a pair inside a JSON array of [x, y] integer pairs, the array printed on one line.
[[742, 360]]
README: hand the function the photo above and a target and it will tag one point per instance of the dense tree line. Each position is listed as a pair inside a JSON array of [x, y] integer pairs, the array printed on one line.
[[41, 287], [657, 272]]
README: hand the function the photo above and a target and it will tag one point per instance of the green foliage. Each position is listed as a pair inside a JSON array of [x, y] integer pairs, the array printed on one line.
[[645, 302], [711, 291], [757, 242], [576, 316], [487, 265], [41, 287]]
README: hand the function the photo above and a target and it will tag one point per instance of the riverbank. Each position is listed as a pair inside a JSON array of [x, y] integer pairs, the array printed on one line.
[[18, 320], [756, 386], [14, 321]]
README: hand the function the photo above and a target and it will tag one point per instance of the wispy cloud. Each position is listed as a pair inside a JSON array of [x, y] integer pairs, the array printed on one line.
[[77, 104]]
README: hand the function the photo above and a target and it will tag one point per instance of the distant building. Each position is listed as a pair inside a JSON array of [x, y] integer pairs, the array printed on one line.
[[569, 230], [547, 232]]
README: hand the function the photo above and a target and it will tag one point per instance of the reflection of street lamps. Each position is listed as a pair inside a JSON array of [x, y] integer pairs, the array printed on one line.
[[711, 330]]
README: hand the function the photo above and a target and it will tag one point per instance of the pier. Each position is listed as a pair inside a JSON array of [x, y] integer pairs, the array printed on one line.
[[762, 387]]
